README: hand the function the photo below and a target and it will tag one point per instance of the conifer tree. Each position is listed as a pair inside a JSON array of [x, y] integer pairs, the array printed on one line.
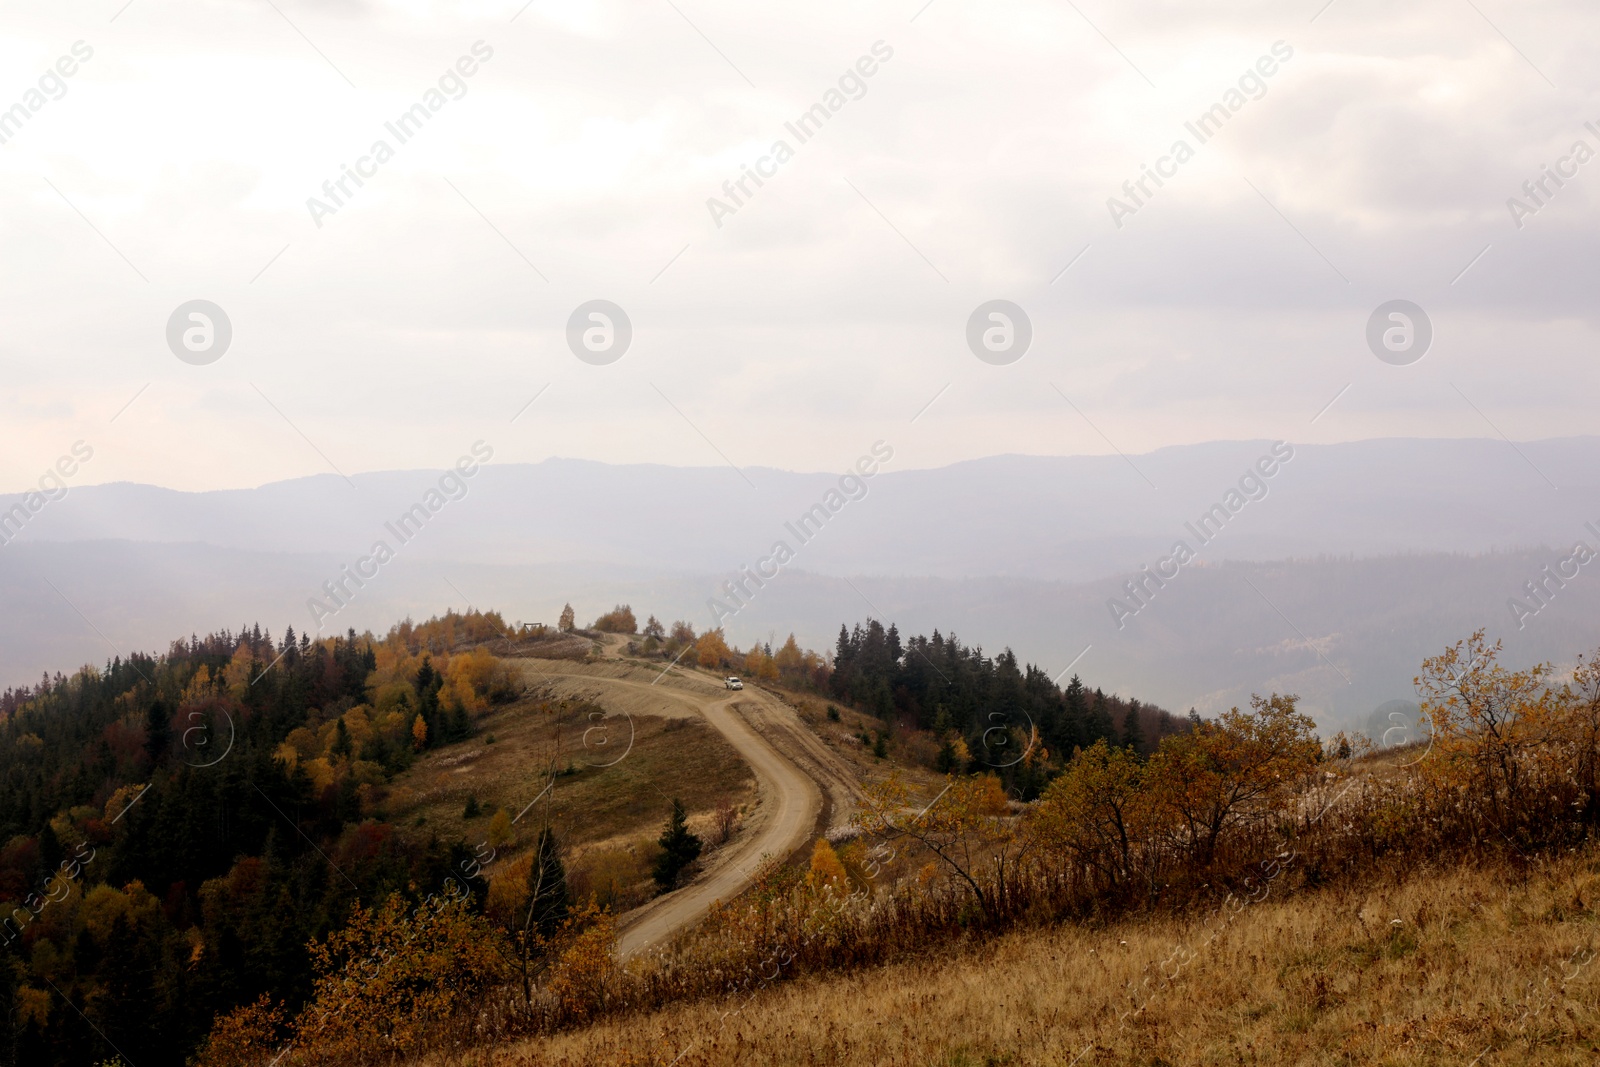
[[1132, 731], [342, 745], [679, 848], [547, 887], [157, 732]]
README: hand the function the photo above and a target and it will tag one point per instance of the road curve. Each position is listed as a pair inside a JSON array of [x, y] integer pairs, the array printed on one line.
[[789, 803]]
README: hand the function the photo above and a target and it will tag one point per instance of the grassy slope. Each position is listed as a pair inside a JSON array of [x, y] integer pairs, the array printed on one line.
[[1442, 968], [595, 808]]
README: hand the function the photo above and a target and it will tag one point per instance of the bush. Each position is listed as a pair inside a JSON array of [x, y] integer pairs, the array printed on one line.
[[386, 983], [619, 620], [617, 878]]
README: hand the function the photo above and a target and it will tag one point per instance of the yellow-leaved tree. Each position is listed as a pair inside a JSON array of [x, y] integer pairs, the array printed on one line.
[[713, 649], [1504, 740], [968, 828], [1096, 815], [1230, 771], [827, 871]]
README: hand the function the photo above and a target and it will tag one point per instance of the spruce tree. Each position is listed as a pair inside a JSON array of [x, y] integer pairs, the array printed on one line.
[[1100, 724], [679, 848], [547, 887], [342, 745], [1132, 732], [157, 732]]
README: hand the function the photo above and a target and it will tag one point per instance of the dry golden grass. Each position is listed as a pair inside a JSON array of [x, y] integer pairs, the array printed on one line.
[[908, 751], [1455, 967], [594, 807]]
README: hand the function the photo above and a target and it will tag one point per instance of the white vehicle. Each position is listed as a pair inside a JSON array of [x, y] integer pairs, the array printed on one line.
[[733, 683]]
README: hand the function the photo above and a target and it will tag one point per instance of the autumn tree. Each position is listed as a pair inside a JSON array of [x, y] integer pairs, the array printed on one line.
[[1499, 735], [619, 620], [1231, 770], [583, 974], [245, 1037], [1097, 814], [968, 829], [757, 664], [568, 621], [713, 649], [826, 871], [681, 636], [1583, 695]]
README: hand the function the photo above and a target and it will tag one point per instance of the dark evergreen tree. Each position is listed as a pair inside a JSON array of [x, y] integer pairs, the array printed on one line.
[[342, 746], [157, 732], [679, 848], [1132, 731], [547, 887], [1100, 724]]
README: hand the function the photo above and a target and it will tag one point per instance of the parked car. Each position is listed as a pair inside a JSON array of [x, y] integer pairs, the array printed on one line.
[[734, 683]]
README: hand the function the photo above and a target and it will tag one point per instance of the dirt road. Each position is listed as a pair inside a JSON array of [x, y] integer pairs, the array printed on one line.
[[789, 798]]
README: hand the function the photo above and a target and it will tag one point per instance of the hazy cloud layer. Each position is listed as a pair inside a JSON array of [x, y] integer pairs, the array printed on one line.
[[974, 163]]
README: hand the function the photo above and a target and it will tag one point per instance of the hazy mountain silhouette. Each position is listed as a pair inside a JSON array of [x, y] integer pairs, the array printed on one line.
[[1433, 537]]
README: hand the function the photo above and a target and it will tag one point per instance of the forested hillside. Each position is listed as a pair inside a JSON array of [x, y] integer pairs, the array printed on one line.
[[179, 828], [187, 834]]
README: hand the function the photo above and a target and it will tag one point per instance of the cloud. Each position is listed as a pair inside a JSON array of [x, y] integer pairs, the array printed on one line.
[[830, 307]]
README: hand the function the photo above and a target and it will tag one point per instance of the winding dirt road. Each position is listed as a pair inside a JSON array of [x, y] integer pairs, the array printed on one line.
[[788, 762]]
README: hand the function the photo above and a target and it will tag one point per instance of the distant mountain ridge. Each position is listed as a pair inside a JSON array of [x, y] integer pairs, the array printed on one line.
[[1333, 578], [1072, 518]]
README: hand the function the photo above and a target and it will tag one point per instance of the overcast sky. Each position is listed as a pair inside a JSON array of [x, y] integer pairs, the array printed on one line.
[[975, 163]]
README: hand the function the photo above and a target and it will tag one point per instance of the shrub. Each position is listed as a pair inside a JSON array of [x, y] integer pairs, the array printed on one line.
[[246, 1036], [619, 620], [388, 976], [581, 980]]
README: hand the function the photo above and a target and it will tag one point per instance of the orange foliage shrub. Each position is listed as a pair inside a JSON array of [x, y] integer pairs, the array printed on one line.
[[390, 977], [968, 828], [1512, 753], [582, 978], [619, 620], [476, 679], [245, 1037], [827, 871]]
